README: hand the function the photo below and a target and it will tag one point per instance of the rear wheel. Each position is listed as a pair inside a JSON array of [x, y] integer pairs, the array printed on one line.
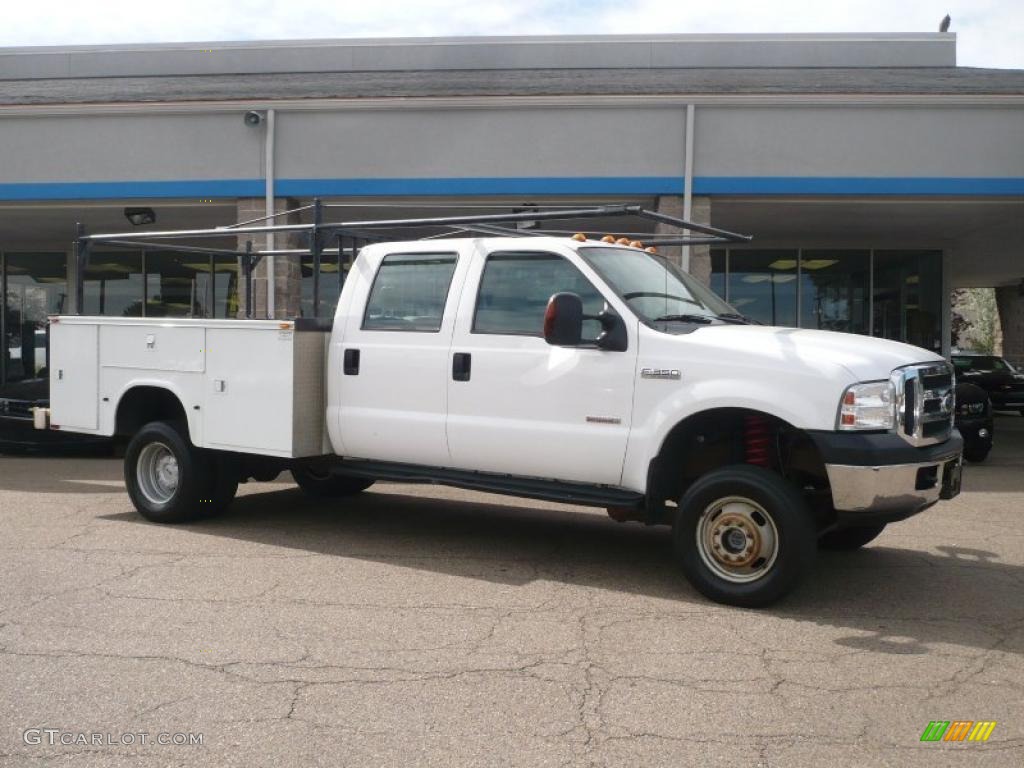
[[324, 483], [744, 536], [169, 480], [847, 539]]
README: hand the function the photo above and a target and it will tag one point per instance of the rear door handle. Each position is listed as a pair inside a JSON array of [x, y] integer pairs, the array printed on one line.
[[350, 363], [462, 364]]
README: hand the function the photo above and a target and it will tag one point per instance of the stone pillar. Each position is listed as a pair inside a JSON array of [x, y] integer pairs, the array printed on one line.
[[1011, 318], [287, 269], [700, 213]]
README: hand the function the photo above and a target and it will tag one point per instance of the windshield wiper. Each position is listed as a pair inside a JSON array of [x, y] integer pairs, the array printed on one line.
[[735, 317], [683, 319]]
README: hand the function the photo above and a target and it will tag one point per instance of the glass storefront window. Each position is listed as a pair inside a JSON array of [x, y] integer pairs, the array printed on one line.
[[177, 284], [36, 286], [908, 297], [718, 271], [171, 285], [834, 290], [113, 285], [330, 288], [762, 285], [225, 288]]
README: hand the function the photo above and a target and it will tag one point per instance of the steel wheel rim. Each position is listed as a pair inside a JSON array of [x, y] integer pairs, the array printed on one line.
[[157, 473], [737, 539]]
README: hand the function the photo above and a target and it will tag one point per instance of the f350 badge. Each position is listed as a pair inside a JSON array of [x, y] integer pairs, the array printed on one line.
[[660, 373]]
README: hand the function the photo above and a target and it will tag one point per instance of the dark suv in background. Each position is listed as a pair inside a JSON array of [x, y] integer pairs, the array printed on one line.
[[1003, 383]]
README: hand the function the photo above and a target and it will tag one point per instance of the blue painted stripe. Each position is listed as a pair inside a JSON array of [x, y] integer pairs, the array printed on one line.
[[107, 190], [855, 185], [562, 185]]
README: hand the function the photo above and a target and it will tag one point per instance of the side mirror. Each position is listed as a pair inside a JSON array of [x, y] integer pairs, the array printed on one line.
[[613, 336], [563, 320]]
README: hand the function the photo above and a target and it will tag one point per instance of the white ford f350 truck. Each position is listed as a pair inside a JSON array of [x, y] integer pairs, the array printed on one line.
[[557, 368]]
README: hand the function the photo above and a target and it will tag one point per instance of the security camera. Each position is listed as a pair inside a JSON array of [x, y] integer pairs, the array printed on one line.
[[253, 118]]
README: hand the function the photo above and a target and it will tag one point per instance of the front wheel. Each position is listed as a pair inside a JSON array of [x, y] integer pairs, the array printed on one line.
[[744, 536], [324, 483]]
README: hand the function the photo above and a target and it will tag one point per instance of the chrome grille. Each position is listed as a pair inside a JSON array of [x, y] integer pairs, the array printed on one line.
[[925, 402]]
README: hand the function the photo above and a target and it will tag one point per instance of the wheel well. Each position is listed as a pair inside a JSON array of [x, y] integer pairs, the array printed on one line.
[[141, 405], [715, 438]]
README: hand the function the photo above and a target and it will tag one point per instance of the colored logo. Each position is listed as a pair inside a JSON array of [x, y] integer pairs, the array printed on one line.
[[958, 730]]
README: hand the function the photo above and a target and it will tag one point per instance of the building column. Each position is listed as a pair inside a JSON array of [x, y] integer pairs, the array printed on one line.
[[1010, 301], [287, 269], [700, 213]]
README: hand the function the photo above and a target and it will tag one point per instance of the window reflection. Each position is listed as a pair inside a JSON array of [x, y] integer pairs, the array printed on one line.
[[36, 288], [330, 286], [227, 273], [834, 290], [762, 285], [177, 285], [113, 284], [908, 297]]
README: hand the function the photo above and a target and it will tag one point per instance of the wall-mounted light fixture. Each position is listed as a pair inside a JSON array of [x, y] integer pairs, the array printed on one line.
[[140, 216], [528, 208]]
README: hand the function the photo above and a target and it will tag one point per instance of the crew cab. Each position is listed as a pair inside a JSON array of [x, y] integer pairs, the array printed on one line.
[[567, 369]]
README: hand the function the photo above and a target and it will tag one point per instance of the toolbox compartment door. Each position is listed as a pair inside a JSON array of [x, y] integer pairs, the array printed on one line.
[[74, 382]]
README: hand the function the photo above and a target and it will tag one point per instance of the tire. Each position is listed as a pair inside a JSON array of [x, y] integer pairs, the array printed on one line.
[[227, 473], [744, 536], [168, 479], [976, 453], [849, 539], [325, 484]]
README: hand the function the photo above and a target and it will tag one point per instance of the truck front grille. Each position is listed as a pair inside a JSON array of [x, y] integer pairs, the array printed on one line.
[[924, 402]]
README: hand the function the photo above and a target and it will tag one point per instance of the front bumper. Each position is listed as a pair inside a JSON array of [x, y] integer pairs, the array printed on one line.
[[881, 478], [972, 428], [17, 429], [1007, 401]]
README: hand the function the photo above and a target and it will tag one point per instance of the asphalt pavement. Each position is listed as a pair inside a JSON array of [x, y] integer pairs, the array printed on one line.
[[428, 626]]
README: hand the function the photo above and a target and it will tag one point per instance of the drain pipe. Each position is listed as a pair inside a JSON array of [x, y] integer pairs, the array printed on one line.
[[688, 180], [269, 164]]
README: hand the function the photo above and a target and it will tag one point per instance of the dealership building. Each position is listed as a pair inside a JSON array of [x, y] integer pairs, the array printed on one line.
[[874, 174]]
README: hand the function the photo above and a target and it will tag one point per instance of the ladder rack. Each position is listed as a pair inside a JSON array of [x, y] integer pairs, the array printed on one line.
[[323, 235]]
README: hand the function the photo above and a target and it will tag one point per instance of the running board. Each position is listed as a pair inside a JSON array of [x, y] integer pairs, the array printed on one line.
[[511, 485]]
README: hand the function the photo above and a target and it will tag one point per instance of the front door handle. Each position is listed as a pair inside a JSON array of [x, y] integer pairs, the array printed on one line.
[[462, 364], [350, 363]]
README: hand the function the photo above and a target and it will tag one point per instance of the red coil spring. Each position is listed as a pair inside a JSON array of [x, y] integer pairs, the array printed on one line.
[[756, 440]]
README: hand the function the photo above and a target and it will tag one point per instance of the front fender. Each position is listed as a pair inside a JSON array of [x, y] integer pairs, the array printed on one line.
[[795, 405]]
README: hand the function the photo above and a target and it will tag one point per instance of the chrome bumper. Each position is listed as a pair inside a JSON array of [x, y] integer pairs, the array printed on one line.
[[899, 489]]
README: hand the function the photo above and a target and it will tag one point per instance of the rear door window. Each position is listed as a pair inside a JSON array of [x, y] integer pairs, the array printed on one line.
[[409, 292]]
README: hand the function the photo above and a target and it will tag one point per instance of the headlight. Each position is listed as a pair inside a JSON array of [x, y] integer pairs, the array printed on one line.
[[868, 406], [966, 409]]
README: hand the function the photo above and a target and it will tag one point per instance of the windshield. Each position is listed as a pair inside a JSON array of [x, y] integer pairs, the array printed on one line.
[[982, 363], [656, 289]]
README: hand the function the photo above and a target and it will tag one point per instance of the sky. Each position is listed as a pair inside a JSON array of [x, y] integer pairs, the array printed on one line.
[[990, 33]]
